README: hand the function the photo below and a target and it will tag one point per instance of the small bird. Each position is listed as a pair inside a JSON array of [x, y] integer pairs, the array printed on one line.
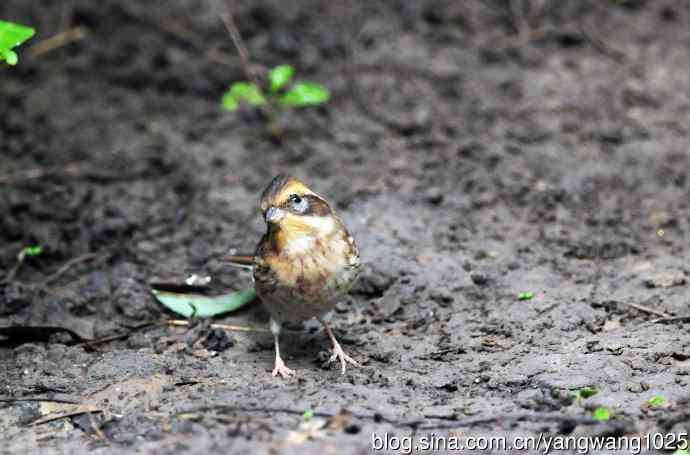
[[303, 264]]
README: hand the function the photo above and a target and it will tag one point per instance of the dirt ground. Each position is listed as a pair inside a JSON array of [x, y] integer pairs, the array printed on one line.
[[476, 150]]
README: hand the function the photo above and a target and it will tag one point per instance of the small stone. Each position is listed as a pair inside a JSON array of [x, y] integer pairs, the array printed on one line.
[[373, 283], [341, 307], [383, 357], [666, 279], [479, 278], [434, 195], [443, 297], [218, 341], [593, 346], [615, 348], [634, 387], [611, 324], [449, 387]]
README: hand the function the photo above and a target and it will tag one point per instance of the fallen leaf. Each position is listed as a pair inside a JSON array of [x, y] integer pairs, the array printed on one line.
[[201, 306]]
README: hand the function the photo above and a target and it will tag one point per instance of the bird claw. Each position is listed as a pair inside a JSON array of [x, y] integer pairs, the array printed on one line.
[[339, 354], [282, 370]]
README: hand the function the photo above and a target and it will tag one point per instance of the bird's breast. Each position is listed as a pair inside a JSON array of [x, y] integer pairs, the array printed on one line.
[[315, 274]]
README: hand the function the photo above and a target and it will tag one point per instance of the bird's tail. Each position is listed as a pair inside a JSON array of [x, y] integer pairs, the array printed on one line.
[[244, 261]]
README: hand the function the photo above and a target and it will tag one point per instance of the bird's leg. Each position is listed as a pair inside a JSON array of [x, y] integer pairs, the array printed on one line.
[[279, 368], [338, 352]]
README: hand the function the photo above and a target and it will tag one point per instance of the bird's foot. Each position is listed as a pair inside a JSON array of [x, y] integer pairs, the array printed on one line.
[[281, 369], [339, 354]]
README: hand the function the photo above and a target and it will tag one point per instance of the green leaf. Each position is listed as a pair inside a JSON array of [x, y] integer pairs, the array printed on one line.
[[248, 92], [280, 76], [305, 94], [525, 295], [229, 101], [657, 401], [10, 57], [681, 452], [601, 414], [11, 36], [32, 250], [586, 392], [308, 415], [242, 91], [201, 306]]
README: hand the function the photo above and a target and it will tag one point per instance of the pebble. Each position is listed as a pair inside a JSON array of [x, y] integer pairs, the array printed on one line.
[[479, 278], [665, 279]]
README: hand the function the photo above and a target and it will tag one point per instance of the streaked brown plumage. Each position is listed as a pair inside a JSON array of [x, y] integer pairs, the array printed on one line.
[[304, 263]]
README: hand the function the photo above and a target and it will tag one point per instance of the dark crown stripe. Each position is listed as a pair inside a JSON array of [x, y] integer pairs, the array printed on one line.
[[274, 188]]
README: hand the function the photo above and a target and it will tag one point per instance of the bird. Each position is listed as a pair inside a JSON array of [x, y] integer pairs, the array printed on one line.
[[304, 263]]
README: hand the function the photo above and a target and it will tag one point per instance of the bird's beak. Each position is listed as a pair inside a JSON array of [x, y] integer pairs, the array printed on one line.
[[274, 215]]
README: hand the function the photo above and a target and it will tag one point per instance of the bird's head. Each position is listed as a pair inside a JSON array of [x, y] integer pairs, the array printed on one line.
[[294, 213]]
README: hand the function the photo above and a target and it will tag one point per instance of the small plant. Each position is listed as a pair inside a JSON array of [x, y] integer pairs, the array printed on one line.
[[308, 415], [601, 414], [586, 392], [657, 401], [11, 36], [27, 251], [299, 94], [529, 295], [31, 251]]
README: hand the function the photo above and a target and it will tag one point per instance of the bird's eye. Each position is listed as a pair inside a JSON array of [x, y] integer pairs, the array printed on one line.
[[297, 203]]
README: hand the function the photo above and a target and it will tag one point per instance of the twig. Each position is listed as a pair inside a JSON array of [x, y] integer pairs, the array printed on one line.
[[61, 271], [645, 309], [37, 173], [599, 44], [96, 429], [72, 170], [116, 336], [522, 26], [69, 264], [234, 32], [664, 320], [58, 40], [34, 399], [80, 410], [13, 271], [230, 328], [239, 45], [106, 339]]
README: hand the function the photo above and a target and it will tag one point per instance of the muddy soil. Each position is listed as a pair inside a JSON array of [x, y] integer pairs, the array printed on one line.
[[476, 150]]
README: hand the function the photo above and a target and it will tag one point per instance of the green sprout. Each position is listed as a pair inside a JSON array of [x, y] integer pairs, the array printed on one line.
[[586, 392], [601, 414], [29, 251], [308, 415], [299, 94], [11, 36], [529, 295], [32, 250], [657, 401]]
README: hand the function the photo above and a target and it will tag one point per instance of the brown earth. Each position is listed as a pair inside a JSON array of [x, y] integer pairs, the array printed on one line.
[[476, 150]]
